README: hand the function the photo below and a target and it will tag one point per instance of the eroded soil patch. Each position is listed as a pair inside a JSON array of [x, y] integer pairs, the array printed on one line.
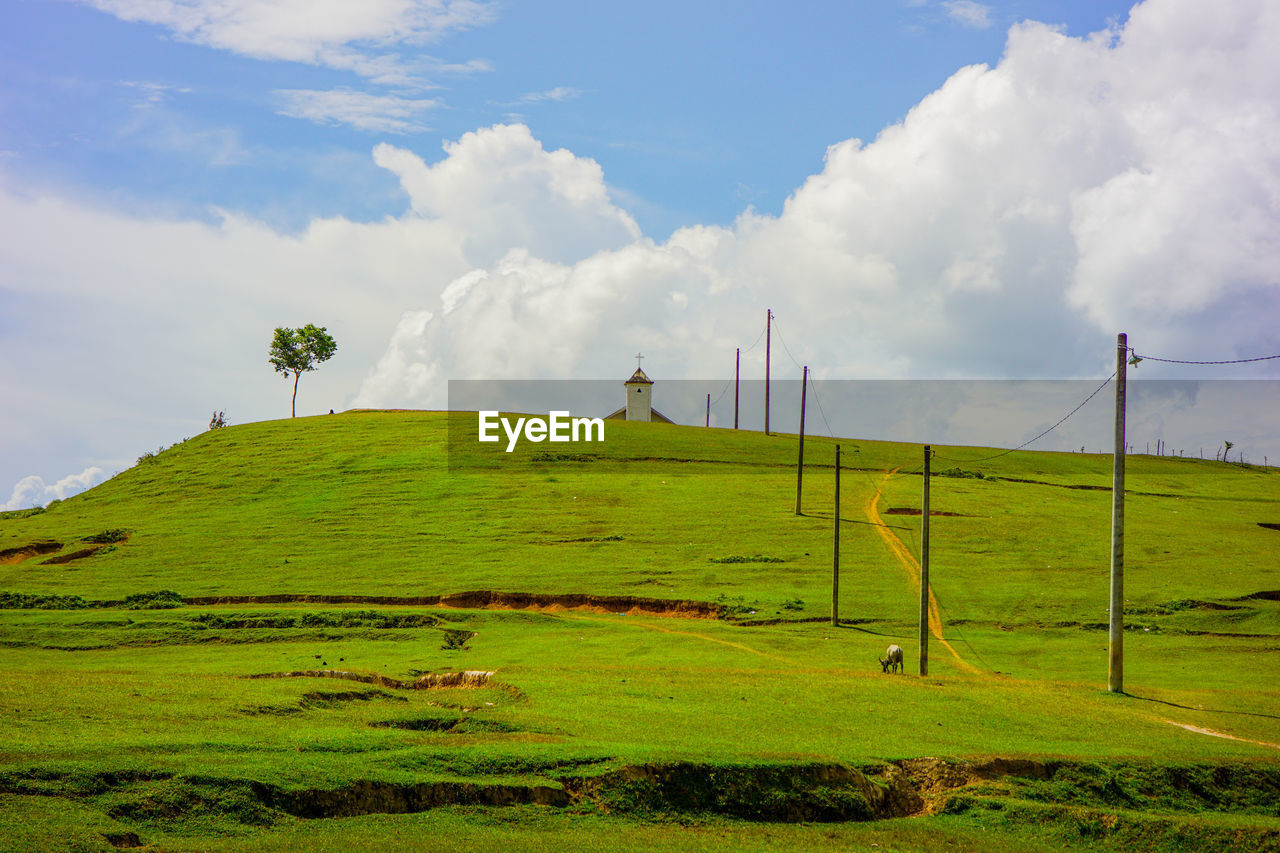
[[427, 681], [910, 510], [1262, 595], [74, 555], [450, 725], [1120, 802], [12, 556], [368, 797], [482, 599]]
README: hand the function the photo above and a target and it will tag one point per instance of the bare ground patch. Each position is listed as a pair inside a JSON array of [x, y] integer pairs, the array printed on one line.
[[492, 599], [428, 681], [911, 510], [12, 556]]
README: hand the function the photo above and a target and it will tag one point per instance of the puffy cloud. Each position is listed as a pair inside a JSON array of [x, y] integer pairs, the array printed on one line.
[[33, 491], [1008, 226], [317, 32], [380, 113], [160, 321], [503, 191]]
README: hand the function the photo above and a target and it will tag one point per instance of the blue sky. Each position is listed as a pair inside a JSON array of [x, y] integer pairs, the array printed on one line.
[[457, 189], [694, 110]]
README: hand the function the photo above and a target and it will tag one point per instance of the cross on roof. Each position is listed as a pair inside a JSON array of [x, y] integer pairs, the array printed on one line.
[[638, 357]]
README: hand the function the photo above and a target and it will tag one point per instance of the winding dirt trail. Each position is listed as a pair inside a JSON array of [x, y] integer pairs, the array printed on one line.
[[912, 567]]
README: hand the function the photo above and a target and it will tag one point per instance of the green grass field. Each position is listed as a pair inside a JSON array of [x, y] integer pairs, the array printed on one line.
[[135, 719]]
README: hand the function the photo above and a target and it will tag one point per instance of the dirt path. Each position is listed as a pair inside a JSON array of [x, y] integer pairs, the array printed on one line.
[[1201, 730], [649, 626], [912, 567]]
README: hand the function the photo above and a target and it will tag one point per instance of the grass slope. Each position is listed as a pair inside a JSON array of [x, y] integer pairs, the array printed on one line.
[[143, 719]]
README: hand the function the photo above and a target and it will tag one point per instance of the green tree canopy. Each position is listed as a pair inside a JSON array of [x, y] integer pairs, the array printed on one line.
[[299, 350]]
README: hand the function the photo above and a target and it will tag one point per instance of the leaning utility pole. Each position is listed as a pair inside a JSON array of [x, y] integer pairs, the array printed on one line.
[[835, 558], [924, 570], [804, 388], [737, 371], [1115, 660], [768, 341]]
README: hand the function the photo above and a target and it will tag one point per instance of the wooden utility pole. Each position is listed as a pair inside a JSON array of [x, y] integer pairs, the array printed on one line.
[[835, 558], [1115, 659], [924, 569], [708, 410], [804, 389], [737, 372], [768, 341]]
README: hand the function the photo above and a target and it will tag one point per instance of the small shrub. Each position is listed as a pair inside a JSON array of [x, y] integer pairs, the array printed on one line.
[[455, 639], [218, 421], [21, 513], [29, 601], [150, 455], [735, 606], [161, 600], [108, 537], [793, 604], [962, 474]]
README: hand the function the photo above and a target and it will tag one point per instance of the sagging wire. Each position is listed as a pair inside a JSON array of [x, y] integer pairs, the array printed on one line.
[[1137, 358], [1038, 437]]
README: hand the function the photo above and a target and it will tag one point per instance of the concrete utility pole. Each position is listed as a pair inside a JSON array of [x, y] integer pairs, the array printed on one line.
[[924, 570], [804, 389], [737, 372], [835, 558], [1115, 659], [768, 341]]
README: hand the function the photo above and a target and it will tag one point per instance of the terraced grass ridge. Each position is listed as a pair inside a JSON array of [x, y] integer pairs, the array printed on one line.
[[350, 632]]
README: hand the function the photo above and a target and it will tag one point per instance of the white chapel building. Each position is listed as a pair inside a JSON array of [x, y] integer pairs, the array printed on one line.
[[639, 405]]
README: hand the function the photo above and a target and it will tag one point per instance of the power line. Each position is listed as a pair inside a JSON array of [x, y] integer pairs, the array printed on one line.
[[1137, 358], [784, 343], [1038, 437], [723, 391], [759, 338], [821, 411]]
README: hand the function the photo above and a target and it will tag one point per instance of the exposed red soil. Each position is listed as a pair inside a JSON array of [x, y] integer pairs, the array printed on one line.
[[10, 556], [74, 555], [492, 599]]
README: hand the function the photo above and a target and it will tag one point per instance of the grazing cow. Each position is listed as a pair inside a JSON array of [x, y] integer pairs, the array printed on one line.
[[893, 659]]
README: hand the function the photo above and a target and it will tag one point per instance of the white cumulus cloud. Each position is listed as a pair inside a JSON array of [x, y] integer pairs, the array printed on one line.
[[33, 491], [501, 190], [1009, 226]]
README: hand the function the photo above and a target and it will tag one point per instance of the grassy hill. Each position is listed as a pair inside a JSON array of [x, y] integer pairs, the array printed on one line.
[[353, 556]]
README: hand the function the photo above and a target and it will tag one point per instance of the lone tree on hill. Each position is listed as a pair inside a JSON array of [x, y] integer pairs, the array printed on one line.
[[298, 350]]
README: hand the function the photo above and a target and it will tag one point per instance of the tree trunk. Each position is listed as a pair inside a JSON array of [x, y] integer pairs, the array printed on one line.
[[293, 409]]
